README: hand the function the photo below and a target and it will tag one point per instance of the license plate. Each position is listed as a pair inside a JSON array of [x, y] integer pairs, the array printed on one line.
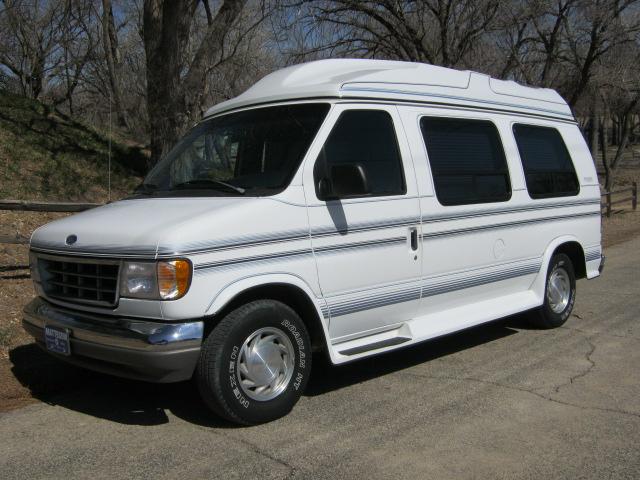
[[57, 340]]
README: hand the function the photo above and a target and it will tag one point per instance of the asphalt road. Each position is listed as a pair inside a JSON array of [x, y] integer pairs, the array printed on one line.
[[498, 401]]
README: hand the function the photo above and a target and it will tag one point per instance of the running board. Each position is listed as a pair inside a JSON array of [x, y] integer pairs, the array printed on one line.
[[390, 342]]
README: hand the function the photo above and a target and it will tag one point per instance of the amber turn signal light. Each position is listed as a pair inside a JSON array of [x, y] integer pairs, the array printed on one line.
[[174, 277]]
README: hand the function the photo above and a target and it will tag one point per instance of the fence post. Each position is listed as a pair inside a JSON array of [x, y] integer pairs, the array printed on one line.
[[634, 195], [608, 197]]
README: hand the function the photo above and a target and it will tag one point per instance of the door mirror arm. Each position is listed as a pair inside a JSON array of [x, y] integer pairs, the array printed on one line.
[[325, 189]]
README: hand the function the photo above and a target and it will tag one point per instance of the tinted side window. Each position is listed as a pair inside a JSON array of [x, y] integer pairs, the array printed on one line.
[[548, 169], [467, 160], [368, 138]]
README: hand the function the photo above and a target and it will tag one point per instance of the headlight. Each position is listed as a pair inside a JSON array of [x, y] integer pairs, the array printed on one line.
[[138, 280], [165, 280]]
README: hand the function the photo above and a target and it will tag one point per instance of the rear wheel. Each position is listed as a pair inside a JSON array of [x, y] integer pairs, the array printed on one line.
[[255, 363], [560, 294]]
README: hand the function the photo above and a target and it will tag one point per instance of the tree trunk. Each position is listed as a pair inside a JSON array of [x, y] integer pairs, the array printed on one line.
[[608, 174], [110, 45], [174, 97], [625, 124], [36, 79], [166, 24], [594, 123]]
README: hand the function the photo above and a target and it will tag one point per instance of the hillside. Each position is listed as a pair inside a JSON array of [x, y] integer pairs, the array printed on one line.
[[48, 156]]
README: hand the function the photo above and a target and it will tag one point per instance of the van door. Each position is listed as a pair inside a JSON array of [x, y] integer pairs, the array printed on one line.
[[364, 217], [469, 213]]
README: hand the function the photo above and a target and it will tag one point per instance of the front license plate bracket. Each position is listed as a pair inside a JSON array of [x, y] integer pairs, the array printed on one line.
[[56, 340]]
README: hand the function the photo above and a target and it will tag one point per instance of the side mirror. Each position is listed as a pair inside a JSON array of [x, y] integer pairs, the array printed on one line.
[[348, 180], [325, 189]]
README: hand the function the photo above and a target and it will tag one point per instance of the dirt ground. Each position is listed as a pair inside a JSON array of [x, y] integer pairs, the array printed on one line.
[[45, 373], [15, 291]]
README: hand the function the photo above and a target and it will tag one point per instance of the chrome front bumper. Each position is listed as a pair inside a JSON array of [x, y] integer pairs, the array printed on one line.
[[134, 348]]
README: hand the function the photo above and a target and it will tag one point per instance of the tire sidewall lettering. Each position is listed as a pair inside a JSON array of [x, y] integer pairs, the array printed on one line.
[[298, 376], [221, 382], [233, 379], [299, 341]]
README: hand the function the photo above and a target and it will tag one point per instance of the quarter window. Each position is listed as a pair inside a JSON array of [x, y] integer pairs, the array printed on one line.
[[365, 137], [548, 168], [467, 161]]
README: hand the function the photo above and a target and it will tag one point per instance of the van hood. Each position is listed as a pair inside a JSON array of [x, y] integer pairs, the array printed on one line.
[[146, 227]]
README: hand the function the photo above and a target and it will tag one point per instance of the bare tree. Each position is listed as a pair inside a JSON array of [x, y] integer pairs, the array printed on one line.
[[597, 28], [113, 60], [442, 32], [77, 45], [178, 67], [512, 38], [114, 79], [619, 82], [47, 45], [549, 19], [29, 37], [158, 63]]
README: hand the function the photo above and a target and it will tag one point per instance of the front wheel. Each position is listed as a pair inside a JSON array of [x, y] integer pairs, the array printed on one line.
[[559, 296], [255, 363]]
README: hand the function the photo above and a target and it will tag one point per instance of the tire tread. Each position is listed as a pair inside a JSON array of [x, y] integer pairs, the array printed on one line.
[[541, 317], [208, 371], [212, 347]]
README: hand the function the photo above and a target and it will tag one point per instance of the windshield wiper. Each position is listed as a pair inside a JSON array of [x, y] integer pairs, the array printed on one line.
[[209, 183], [146, 188]]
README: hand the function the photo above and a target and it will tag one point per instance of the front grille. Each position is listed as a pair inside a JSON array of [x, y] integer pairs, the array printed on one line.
[[80, 281]]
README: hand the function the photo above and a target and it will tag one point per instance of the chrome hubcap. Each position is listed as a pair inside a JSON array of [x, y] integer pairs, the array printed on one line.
[[559, 290], [265, 364]]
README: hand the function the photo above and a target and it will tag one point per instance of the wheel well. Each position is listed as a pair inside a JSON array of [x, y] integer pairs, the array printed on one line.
[[288, 294], [574, 251]]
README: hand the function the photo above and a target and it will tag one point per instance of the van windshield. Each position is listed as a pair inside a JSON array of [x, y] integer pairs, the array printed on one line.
[[254, 152]]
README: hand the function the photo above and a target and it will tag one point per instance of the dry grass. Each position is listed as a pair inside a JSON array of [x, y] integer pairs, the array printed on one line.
[[47, 156], [15, 282]]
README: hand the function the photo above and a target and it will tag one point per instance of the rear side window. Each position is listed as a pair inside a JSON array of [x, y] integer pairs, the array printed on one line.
[[548, 168], [467, 161], [368, 138]]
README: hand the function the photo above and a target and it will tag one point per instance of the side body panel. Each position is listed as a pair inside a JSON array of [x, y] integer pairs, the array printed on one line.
[[367, 270], [476, 263], [494, 249], [272, 239], [486, 261]]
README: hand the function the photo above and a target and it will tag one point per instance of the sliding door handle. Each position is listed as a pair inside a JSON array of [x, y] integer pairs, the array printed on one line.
[[413, 231]]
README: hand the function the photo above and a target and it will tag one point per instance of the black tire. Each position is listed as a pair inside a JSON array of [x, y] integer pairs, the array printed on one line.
[[217, 373], [545, 316]]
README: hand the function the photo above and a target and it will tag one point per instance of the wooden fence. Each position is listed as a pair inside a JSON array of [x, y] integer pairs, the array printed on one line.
[[612, 198], [26, 206]]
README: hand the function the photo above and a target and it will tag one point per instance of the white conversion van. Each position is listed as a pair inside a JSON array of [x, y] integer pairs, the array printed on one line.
[[349, 206]]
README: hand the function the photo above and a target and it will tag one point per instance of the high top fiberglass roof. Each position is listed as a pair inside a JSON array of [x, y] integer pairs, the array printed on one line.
[[398, 81]]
